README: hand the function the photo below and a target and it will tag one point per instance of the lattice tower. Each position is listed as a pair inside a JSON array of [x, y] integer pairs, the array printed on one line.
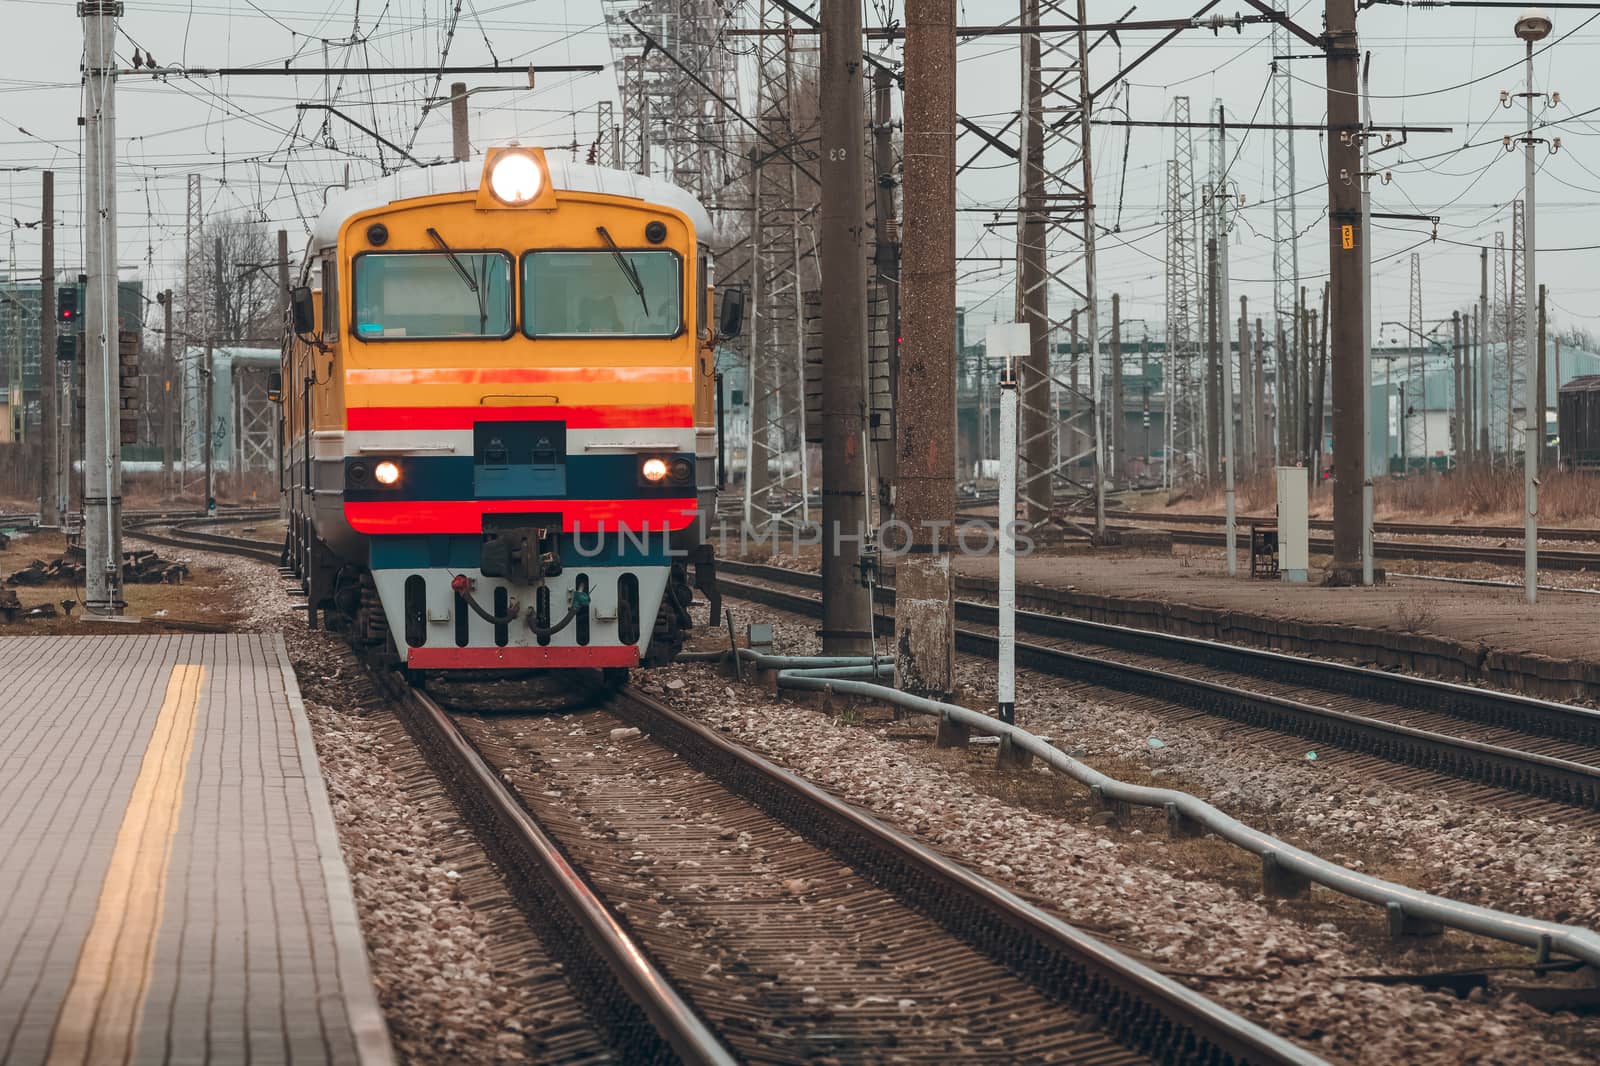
[[1186, 248], [1516, 332], [782, 266], [1182, 440], [1499, 310], [1285, 232], [1415, 416], [1069, 240]]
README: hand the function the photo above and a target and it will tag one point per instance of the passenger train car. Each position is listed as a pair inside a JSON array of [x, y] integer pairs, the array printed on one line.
[[498, 402]]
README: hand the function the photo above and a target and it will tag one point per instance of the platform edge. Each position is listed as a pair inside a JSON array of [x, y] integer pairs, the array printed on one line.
[[369, 1028]]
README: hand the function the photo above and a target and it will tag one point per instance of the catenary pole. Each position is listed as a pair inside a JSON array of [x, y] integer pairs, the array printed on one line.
[[168, 396], [925, 461], [1345, 286], [1531, 27], [1481, 328], [1038, 420], [846, 622], [102, 490], [886, 265], [50, 504], [1367, 576]]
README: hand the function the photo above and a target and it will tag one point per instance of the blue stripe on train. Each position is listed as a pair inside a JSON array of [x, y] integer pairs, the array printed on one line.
[[451, 477], [461, 552]]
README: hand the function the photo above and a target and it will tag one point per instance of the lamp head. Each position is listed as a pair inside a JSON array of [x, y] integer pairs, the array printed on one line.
[[1533, 25]]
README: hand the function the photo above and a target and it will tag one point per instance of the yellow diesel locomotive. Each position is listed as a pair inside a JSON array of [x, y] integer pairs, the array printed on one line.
[[498, 414]]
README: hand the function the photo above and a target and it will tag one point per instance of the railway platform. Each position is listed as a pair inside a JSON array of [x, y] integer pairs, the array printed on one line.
[[1468, 633], [172, 889]]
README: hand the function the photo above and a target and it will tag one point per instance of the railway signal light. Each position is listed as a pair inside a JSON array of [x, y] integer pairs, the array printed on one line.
[[67, 305]]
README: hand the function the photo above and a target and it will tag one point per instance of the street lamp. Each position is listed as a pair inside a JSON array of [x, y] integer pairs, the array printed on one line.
[[1532, 27]]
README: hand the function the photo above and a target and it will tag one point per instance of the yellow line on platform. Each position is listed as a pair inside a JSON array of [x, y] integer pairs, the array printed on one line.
[[99, 1017]]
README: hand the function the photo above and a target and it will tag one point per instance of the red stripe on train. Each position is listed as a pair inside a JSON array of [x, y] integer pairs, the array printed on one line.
[[466, 516], [530, 658], [663, 416]]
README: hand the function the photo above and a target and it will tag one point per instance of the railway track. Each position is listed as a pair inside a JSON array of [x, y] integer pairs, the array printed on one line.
[[723, 909], [826, 934], [1406, 529], [178, 530], [1549, 557], [1518, 752]]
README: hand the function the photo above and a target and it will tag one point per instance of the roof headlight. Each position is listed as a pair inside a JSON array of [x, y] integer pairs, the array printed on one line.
[[516, 179]]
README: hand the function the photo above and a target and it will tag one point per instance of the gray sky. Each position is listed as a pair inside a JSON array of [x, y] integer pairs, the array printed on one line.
[[257, 156]]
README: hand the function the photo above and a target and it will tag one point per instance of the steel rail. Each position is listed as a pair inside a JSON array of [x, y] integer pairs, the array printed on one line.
[[1419, 529], [1144, 1009], [179, 536], [647, 1013], [1558, 780]]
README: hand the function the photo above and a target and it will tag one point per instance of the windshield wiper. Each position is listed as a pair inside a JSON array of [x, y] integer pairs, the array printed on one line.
[[627, 268], [466, 278]]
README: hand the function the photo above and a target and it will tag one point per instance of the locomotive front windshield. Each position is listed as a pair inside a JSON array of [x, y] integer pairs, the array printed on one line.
[[602, 293], [432, 295]]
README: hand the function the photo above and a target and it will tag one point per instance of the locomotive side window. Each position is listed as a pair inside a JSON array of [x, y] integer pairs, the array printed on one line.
[[330, 299], [432, 295], [602, 294]]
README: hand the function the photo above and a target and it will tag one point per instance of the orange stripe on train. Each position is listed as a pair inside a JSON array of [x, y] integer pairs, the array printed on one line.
[[521, 375]]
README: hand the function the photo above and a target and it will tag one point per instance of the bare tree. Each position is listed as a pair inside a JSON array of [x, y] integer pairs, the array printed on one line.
[[235, 299]]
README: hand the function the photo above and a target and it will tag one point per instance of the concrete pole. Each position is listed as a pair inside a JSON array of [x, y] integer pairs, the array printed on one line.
[[1481, 328], [1119, 446], [1227, 445], [1247, 392], [50, 504], [1038, 418], [1367, 502], [210, 380], [1345, 288], [461, 148], [846, 606], [168, 396], [1457, 423], [1213, 359], [277, 413], [758, 377], [925, 489], [1533, 434], [102, 489], [1260, 405], [1007, 514]]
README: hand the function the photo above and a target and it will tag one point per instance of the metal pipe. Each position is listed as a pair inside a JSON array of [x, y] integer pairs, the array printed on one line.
[[1413, 904]]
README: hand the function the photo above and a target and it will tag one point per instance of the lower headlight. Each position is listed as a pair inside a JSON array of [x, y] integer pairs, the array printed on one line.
[[387, 472], [654, 469]]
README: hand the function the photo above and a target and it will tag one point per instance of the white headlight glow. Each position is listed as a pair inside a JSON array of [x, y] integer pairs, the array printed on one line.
[[654, 469], [515, 179], [386, 472]]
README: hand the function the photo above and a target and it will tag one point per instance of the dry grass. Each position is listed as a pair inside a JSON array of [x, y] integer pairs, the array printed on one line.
[[149, 491], [1468, 494]]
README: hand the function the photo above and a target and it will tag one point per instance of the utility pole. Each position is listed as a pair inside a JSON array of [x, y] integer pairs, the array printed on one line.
[[1485, 376], [1119, 450], [1458, 421], [462, 149], [1367, 502], [1247, 392], [164, 298], [846, 607], [1261, 395], [886, 265], [1213, 359], [49, 492], [925, 492], [1345, 239], [277, 413], [1532, 27], [209, 379], [1039, 422], [1320, 390], [102, 490]]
